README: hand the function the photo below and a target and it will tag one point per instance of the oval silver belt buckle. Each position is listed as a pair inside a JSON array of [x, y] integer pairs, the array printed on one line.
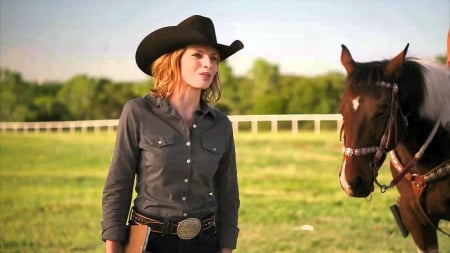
[[189, 228]]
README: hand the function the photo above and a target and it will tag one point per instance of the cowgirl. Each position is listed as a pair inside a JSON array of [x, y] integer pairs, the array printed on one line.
[[177, 147]]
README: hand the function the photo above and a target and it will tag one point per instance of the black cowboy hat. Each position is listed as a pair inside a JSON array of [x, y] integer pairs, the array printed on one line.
[[193, 30]]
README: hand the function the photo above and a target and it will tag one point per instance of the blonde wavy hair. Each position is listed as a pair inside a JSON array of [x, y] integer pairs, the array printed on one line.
[[166, 71]]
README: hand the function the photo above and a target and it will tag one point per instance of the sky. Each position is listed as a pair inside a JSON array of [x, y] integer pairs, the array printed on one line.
[[49, 40]]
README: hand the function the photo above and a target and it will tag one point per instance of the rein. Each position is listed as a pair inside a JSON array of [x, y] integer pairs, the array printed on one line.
[[413, 161]]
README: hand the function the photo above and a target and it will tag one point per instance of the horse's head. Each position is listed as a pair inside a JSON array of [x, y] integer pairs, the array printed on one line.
[[372, 119]]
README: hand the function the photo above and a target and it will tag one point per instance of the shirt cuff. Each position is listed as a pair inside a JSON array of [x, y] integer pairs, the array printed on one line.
[[114, 233]]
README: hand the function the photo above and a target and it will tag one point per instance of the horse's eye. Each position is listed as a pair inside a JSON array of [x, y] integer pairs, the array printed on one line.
[[381, 112], [380, 115]]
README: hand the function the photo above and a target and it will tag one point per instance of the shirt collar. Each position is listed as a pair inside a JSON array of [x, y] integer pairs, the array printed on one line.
[[164, 105]]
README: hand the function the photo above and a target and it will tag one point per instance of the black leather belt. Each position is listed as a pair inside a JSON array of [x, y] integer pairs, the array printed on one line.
[[185, 229]]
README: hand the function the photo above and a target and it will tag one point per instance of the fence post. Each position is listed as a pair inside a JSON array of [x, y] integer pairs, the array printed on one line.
[[254, 126], [339, 124], [294, 127], [273, 126], [235, 125], [316, 126]]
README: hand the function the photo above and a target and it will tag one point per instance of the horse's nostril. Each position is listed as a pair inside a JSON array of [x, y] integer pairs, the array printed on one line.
[[357, 183]]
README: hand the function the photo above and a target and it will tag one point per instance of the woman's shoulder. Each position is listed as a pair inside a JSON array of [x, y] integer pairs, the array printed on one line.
[[220, 116], [140, 102], [136, 107]]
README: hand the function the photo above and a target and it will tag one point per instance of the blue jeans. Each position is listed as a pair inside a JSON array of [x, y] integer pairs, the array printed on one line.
[[205, 242]]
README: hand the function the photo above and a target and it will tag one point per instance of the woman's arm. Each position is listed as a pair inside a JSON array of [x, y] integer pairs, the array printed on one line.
[[112, 246]]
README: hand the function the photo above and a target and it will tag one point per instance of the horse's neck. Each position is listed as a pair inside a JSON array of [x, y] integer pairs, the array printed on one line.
[[437, 151], [405, 156]]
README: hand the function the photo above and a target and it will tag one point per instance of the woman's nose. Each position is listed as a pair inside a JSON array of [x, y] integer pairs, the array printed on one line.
[[207, 63]]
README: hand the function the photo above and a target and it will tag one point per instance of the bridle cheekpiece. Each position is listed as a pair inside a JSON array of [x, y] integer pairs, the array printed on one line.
[[390, 129]]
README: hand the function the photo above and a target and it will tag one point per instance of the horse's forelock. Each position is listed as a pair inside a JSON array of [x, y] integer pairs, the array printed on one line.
[[365, 75]]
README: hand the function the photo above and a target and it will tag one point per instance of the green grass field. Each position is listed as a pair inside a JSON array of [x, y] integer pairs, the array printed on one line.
[[291, 201]]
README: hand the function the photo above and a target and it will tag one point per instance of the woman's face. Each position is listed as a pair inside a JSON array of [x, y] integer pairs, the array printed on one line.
[[199, 65]]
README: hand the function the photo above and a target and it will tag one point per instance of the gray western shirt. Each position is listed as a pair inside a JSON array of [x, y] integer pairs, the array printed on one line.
[[180, 172]]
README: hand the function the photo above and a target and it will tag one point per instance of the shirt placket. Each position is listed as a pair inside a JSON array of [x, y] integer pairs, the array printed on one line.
[[188, 179]]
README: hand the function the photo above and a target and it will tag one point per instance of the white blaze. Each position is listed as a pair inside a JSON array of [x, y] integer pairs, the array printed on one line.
[[355, 103], [343, 180]]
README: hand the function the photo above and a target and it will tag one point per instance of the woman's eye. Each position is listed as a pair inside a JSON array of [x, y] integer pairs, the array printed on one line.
[[214, 58], [197, 55]]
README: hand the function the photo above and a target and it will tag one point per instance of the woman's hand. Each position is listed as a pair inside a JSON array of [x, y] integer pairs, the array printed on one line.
[[226, 250]]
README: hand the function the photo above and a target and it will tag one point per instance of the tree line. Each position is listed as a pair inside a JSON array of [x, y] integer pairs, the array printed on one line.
[[262, 91]]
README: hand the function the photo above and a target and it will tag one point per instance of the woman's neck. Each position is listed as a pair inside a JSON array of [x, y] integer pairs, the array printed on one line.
[[186, 103]]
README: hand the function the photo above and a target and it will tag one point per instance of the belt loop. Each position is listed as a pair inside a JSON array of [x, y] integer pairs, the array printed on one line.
[[130, 214], [167, 227]]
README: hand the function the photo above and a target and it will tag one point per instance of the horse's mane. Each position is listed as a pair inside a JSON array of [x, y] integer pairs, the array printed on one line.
[[437, 93]]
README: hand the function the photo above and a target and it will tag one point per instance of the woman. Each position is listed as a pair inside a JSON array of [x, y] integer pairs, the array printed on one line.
[[180, 149]]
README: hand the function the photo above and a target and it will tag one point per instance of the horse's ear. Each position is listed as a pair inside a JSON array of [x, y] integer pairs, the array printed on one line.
[[347, 60], [394, 66]]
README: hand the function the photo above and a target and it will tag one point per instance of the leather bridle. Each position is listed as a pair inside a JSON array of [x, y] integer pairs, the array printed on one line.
[[390, 133]]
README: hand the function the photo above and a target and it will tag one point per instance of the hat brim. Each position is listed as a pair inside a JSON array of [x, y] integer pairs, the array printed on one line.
[[171, 38]]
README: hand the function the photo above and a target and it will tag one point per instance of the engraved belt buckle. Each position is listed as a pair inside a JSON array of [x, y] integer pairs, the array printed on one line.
[[189, 228]]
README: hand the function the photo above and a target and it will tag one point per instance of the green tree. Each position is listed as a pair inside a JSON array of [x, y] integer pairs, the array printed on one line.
[[229, 101], [441, 58], [81, 95], [14, 94], [313, 95], [45, 104], [265, 93]]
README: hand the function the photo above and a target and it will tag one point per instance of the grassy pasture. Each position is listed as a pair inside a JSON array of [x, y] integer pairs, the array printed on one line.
[[291, 201]]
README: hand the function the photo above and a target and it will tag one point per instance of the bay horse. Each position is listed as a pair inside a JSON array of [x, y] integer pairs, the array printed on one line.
[[400, 107]]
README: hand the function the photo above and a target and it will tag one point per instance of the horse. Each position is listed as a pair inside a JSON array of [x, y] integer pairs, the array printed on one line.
[[401, 107]]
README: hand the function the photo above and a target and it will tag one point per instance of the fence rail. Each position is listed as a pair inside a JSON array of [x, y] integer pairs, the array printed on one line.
[[237, 120]]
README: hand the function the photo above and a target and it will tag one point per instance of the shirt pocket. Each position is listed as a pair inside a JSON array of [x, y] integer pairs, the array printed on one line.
[[157, 141], [157, 151], [212, 150], [213, 146]]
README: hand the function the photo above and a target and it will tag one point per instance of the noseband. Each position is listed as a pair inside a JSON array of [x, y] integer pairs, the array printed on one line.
[[390, 129]]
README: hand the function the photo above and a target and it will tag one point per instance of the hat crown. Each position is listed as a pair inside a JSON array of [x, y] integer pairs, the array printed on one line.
[[200, 24]]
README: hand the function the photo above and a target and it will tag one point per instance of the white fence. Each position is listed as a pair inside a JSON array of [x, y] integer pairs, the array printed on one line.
[[237, 120]]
